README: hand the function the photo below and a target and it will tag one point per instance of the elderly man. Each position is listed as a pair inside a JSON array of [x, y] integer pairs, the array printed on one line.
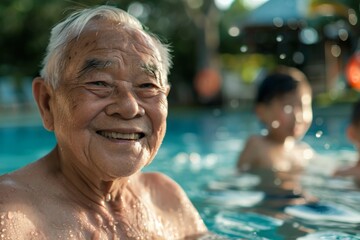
[[103, 91]]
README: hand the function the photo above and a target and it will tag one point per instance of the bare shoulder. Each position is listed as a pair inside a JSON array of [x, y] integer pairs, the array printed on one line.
[[250, 154], [18, 225], [25, 183], [256, 139], [15, 211], [164, 184], [171, 200], [17, 192], [167, 193], [22, 194], [10, 188], [254, 142]]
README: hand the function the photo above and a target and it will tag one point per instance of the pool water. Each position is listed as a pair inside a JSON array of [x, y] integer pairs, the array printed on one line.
[[200, 150]]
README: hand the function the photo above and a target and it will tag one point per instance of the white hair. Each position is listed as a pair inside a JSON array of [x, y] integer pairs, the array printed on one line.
[[54, 62]]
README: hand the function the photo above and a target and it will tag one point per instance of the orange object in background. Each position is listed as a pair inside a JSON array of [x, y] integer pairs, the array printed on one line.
[[207, 83], [353, 71]]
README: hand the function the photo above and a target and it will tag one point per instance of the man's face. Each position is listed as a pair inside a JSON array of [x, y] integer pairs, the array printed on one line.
[[110, 107]]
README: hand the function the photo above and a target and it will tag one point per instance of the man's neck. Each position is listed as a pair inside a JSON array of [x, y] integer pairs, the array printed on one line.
[[86, 186]]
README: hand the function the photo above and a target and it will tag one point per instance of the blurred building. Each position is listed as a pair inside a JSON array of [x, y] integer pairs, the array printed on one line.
[[318, 37]]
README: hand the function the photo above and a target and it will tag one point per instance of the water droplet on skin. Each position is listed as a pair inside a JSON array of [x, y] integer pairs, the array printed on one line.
[[108, 197], [10, 215]]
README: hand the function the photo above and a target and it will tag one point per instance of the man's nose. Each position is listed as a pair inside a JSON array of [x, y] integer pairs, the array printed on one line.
[[125, 105]]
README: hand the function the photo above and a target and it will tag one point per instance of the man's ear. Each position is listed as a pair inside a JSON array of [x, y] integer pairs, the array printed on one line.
[[43, 93]]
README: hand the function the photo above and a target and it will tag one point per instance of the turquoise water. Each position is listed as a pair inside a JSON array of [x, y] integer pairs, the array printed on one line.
[[200, 150]]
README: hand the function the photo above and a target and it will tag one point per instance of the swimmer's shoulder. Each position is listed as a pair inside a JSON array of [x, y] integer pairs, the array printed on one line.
[[164, 191], [23, 184], [160, 181], [170, 198], [10, 183], [255, 140], [250, 154], [17, 218], [16, 209], [13, 191]]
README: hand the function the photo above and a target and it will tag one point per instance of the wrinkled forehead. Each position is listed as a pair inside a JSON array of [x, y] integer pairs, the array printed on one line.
[[105, 35]]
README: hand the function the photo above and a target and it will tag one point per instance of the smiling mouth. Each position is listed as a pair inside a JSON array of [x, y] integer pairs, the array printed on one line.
[[121, 136]]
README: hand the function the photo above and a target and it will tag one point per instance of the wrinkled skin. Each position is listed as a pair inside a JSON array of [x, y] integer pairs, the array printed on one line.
[[108, 114]]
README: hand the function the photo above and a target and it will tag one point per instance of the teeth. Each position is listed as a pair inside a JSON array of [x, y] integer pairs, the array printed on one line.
[[123, 136]]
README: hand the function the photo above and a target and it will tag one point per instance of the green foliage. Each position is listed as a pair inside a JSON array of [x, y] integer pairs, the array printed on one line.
[[25, 27]]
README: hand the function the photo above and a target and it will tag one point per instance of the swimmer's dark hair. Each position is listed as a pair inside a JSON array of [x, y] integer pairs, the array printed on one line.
[[355, 114], [278, 83]]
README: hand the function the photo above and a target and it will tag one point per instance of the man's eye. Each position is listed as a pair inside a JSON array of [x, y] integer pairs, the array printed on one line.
[[99, 84], [148, 85]]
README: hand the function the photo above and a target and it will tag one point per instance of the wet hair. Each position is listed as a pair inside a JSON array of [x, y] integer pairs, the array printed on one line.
[[278, 83], [63, 33], [355, 114]]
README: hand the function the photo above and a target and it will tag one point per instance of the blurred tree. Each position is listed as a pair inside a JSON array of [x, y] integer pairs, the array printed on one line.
[[229, 29], [196, 30], [25, 27]]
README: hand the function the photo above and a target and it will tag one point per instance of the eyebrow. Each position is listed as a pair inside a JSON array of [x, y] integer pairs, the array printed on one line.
[[94, 63], [150, 69]]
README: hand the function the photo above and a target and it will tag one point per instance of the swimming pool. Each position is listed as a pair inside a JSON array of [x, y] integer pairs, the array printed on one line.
[[200, 150]]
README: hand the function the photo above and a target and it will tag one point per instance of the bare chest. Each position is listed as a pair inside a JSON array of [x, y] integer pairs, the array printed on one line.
[[132, 222]]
